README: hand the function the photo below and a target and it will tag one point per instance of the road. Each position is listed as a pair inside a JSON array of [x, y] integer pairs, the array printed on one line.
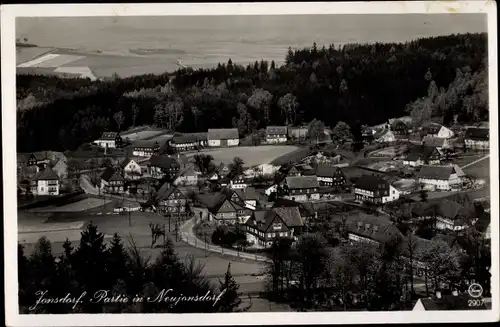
[[190, 238]]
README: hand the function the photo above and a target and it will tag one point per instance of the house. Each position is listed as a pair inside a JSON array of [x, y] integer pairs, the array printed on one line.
[[407, 120], [45, 182], [223, 169], [249, 197], [264, 227], [298, 132], [385, 136], [145, 148], [292, 217], [112, 181], [440, 144], [227, 212], [370, 229], [61, 168], [187, 177], [329, 175], [440, 177], [448, 214], [477, 138], [40, 160], [238, 182], [438, 130], [301, 188], [454, 301], [276, 134], [110, 140], [171, 201], [374, 189], [293, 172], [163, 166], [131, 169], [186, 142], [422, 155], [223, 137]]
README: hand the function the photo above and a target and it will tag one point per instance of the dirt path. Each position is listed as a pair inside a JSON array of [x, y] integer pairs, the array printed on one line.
[[475, 161]]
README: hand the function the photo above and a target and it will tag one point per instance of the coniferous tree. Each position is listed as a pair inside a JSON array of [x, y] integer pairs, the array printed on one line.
[[230, 300]]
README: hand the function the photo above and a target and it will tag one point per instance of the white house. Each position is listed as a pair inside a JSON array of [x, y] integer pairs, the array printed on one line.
[[437, 130], [131, 169], [448, 214], [187, 142], [443, 178], [45, 182], [421, 155], [239, 182], [375, 190], [145, 148], [271, 189], [329, 175], [223, 137], [109, 140], [276, 134], [385, 136], [187, 177]]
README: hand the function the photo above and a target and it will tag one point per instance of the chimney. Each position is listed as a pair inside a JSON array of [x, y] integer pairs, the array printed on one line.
[[438, 294]]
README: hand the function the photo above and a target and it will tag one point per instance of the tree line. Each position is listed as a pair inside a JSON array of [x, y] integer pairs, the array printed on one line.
[[355, 83], [111, 273]]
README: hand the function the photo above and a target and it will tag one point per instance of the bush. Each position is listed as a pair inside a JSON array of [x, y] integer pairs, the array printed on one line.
[[227, 237]]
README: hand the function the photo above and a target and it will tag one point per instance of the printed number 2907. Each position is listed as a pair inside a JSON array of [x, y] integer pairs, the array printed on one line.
[[476, 303]]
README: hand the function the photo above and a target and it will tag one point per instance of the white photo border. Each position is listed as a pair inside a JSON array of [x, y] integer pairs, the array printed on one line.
[[8, 55]]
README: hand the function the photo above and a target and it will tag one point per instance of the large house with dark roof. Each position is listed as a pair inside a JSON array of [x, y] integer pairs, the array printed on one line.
[[145, 148], [45, 182], [301, 188], [223, 137], [163, 166], [477, 138], [172, 201], [443, 178], [438, 130], [187, 177], [370, 229], [276, 134], [226, 212], [112, 181], [374, 189], [422, 155], [111, 140], [448, 214], [185, 142], [329, 175], [266, 226]]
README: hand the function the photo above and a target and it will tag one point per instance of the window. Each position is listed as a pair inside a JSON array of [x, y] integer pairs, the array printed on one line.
[[277, 225], [269, 235]]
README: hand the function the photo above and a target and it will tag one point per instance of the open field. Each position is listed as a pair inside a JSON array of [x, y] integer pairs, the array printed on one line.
[[25, 54], [251, 155], [81, 205], [142, 135], [479, 170], [293, 156]]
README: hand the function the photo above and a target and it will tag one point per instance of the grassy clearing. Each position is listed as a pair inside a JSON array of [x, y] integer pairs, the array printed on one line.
[[479, 170], [296, 155], [251, 155]]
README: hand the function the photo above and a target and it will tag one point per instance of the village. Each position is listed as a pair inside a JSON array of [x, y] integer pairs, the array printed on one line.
[[219, 193]]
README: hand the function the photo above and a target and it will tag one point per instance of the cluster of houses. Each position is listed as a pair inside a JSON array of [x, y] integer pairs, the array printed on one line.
[[39, 173]]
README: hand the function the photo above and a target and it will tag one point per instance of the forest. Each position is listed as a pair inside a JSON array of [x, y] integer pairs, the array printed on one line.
[[443, 77]]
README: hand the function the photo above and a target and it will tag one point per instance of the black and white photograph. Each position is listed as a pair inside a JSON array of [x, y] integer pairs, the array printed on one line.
[[197, 158]]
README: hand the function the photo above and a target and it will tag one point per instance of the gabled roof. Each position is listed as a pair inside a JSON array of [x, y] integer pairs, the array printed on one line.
[[163, 162], [380, 229], [290, 215], [302, 182], [146, 144], [421, 153], [107, 173], [442, 207], [265, 218], [432, 128], [185, 138], [248, 193], [371, 183], [477, 134], [223, 134], [276, 130], [116, 177], [45, 175], [189, 172], [125, 162], [437, 142], [436, 172], [166, 190], [328, 171], [111, 136]]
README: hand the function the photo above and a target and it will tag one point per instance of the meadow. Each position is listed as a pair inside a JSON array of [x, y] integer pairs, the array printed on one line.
[[251, 155]]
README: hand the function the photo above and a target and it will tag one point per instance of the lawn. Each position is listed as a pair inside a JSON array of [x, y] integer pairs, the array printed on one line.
[[292, 156], [82, 205], [462, 161], [479, 170], [251, 155], [142, 135]]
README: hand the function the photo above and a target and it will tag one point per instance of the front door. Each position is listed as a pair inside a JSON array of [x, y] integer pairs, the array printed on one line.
[[223, 143]]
